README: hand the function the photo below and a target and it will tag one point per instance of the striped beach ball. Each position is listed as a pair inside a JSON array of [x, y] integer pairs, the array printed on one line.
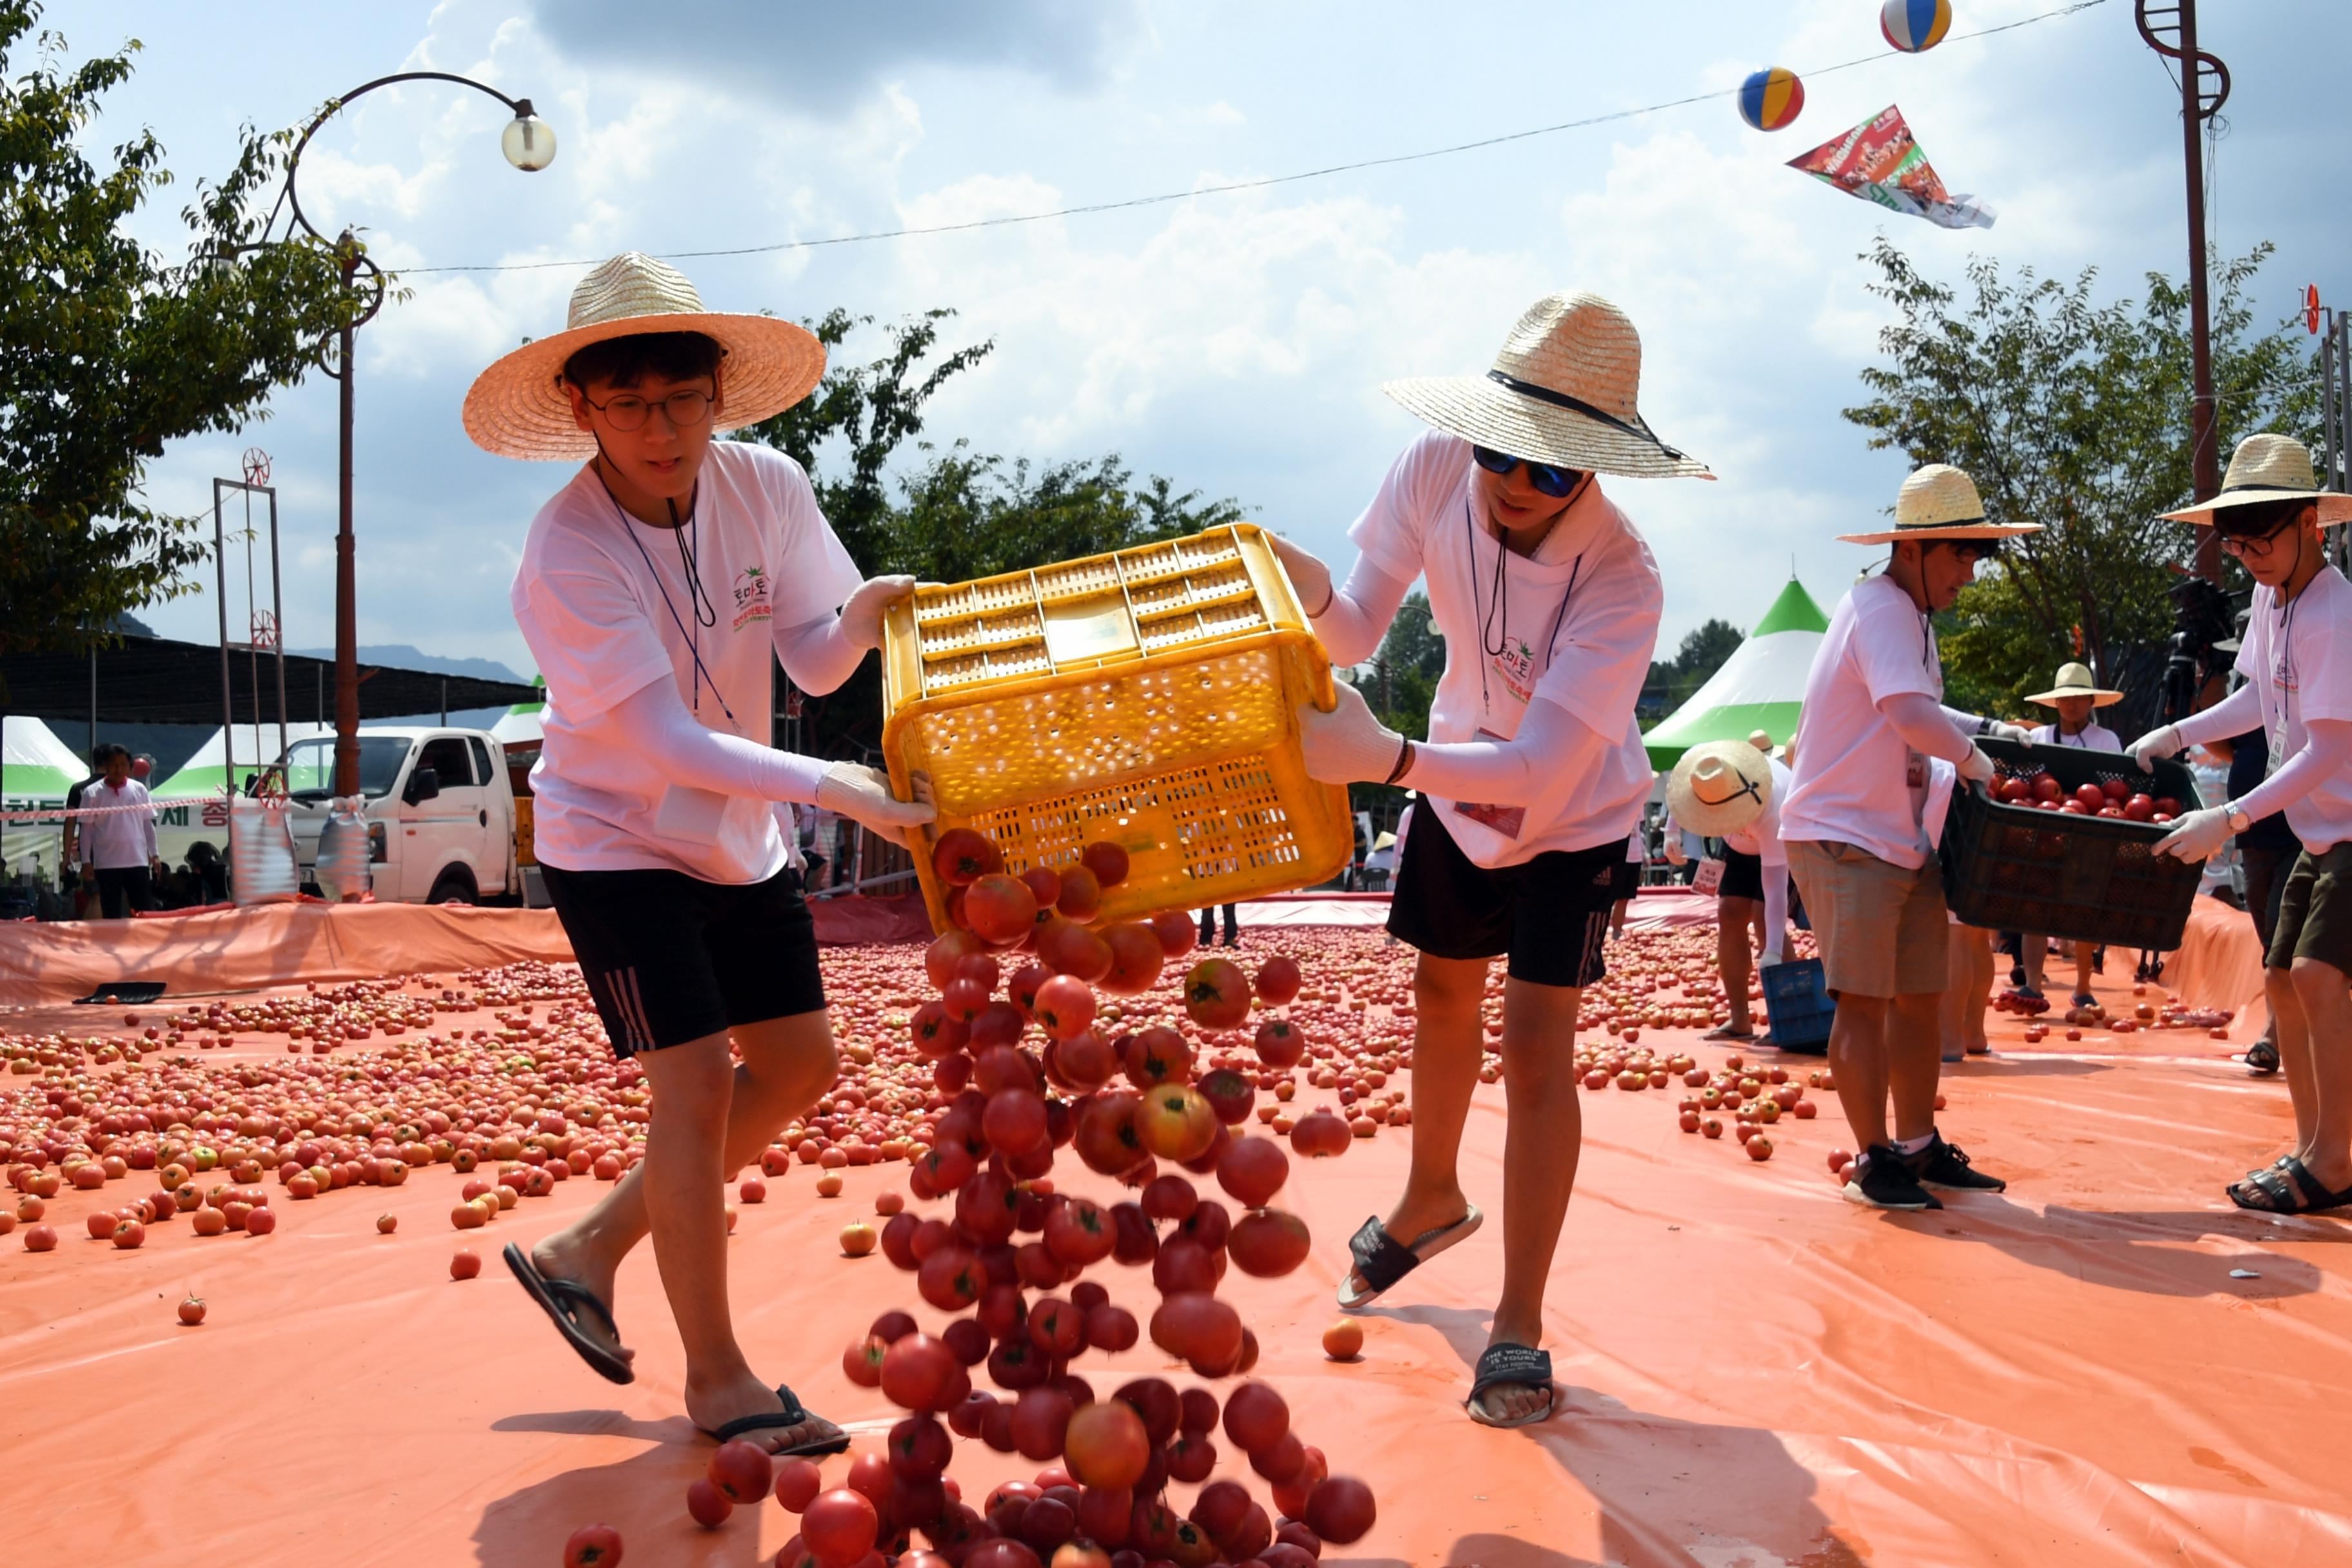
[[1912, 26], [1771, 97]]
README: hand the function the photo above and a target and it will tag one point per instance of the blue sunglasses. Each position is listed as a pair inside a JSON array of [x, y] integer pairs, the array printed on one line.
[[1548, 477]]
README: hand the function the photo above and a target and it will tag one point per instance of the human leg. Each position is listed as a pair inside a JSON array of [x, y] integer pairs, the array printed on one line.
[[1447, 1048], [2035, 951], [2321, 1060], [1981, 976], [1735, 962], [1541, 1141], [1858, 1062]]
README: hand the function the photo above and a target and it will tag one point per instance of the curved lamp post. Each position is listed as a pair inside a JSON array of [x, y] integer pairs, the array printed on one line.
[[529, 145]]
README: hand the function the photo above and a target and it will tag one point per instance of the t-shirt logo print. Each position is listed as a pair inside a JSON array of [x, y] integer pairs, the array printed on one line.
[[1516, 665], [752, 599]]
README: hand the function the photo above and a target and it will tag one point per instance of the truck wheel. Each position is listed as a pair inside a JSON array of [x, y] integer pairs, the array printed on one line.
[[452, 887]]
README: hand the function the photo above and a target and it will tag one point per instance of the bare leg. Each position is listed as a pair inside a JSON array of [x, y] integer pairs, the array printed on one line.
[[1733, 961], [1446, 1052], [1913, 1062], [1952, 1007], [2327, 1064], [1858, 1062], [2295, 1056], [1540, 1145], [1981, 975], [2083, 950], [711, 1121], [2031, 950]]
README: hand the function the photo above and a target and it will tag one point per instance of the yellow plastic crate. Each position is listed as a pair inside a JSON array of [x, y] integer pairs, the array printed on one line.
[[1148, 696]]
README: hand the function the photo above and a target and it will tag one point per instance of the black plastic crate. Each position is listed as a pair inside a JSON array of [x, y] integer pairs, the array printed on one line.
[[2087, 879], [1798, 1006]]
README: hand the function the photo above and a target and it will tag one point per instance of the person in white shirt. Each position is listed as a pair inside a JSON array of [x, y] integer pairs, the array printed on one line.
[[1531, 777], [1755, 883], [117, 847], [2271, 515], [2076, 697], [1855, 824], [656, 590]]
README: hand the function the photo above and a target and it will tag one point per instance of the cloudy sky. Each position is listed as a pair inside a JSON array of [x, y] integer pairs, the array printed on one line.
[[1233, 341]]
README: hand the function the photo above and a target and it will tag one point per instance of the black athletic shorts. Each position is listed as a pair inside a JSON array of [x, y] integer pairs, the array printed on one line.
[[671, 958], [1626, 880], [1743, 876], [1551, 914]]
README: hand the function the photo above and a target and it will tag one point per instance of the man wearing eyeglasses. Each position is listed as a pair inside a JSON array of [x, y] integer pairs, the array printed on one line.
[[1531, 778], [2271, 515], [1858, 823]]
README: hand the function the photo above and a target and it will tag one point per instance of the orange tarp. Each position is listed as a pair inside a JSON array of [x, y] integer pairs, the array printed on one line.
[[2108, 1365]]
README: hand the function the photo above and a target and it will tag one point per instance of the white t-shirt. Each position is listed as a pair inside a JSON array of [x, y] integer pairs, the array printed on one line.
[[1762, 838], [2093, 737], [606, 606], [1575, 624], [119, 840], [1857, 781], [2300, 671]]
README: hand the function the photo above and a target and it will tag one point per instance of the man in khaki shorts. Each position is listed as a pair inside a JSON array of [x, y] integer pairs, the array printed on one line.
[[1854, 827]]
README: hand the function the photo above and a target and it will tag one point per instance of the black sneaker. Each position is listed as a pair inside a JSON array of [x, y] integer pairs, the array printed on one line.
[[1941, 1164], [1884, 1181]]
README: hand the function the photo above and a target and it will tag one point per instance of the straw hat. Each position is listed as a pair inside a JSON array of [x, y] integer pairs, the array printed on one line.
[[518, 409], [2074, 680], [1563, 391], [1720, 787], [1939, 501], [2269, 468]]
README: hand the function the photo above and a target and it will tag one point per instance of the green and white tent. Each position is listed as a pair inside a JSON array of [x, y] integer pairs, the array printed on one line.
[[207, 772], [520, 727], [35, 770], [1759, 687]]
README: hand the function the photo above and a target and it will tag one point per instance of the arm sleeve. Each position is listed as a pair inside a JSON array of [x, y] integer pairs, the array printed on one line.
[[147, 822], [1351, 626], [653, 722], [1925, 725], [1967, 724], [2327, 744], [818, 654], [1502, 773], [1775, 906], [2234, 715]]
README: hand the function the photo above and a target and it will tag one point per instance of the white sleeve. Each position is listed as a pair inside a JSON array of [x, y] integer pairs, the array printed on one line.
[[1358, 617], [1925, 725], [653, 722], [1516, 771], [147, 821], [2326, 744], [2234, 715], [818, 654], [1775, 906]]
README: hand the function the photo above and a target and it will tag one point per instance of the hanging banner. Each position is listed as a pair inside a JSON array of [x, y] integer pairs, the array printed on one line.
[[1881, 162]]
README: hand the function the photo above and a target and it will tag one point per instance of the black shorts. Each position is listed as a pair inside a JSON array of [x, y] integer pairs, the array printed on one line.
[[671, 958], [1743, 876], [1626, 880], [2314, 911], [1551, 914]]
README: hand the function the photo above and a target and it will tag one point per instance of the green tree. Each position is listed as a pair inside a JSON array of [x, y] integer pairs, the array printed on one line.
[[1703, 651], [2074, 414], [107, 353]]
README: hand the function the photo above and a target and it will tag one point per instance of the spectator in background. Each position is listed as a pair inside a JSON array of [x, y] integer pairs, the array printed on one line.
[[1731, 789], [1209, 926], [118, 848], [210, 871], [72, 882], [816, 838], [2076, 697]]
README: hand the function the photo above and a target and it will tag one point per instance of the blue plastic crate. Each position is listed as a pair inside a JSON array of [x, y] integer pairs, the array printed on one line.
[[1797, 1005]]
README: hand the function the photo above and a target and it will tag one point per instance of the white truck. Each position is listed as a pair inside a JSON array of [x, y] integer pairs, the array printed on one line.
[[440, 808]]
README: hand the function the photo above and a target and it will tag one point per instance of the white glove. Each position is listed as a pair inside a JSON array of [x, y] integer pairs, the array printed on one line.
[[2198, 836], [1348, 745], [1308, 575], [853, 790], [2164, 742], [1975, 766], [861, 616], [1770, 960], [1676, 854], [2018, 733]]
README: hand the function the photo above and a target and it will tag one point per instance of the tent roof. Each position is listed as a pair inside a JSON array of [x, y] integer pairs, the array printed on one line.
[[207, 772], [38, 765], [1759, 687], [156, 680]]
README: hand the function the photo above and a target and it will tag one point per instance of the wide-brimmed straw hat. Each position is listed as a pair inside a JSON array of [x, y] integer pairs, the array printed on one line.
[[1720, 787], [2074, 680], [1563, 391], [1939, 501], [518, 408], [2269, 467]]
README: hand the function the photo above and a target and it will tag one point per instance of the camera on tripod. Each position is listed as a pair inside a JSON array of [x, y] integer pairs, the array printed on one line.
[[2201, 616]]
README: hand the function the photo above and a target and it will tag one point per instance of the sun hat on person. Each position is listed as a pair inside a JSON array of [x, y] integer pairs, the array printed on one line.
[[1563, 391], [1720, 787], [2074, 680], [2268, 468], [518, 408], [1939, 501]]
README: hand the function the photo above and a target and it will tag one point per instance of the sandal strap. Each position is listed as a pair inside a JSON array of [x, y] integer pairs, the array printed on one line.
[[578, 1295], [1379, 1258], [1511, 1364], [2272, 1195]]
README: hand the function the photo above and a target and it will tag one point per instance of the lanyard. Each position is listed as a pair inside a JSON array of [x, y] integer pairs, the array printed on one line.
[[688, 554], [1489, 645]]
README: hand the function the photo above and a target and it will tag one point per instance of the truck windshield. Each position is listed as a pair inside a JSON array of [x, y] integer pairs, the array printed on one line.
[[311, 766]]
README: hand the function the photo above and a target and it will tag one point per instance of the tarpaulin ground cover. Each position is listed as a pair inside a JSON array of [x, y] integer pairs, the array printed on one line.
[[1756, 1372]]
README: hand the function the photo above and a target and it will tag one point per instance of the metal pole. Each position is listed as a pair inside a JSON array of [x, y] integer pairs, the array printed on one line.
[[277, 620], [220, 585], [347, 636], [93, 700], [2204, 455]]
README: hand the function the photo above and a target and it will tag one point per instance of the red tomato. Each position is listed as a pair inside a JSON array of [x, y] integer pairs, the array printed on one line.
[[1081, 897], [1156, 1055], [1080, 1232], [798, 1481], [1176, 1122], [592, 1546], [1177, 935], [1229, 1094], [1107, 860], [1002, 909], [1278, 980], [962, 856], [940, 959], [1195, 1326], [1065, 1006], [1268, 1244], [1217, 994], [1106, 1446], [840, 1526], [2141, 807], [2090, 796], [1040, 1418], [707, 1505], [2114, 789], [1256, 1417], [1279, 1043], [1340, 1509], [740, 1470], [1253, 1170], [1136, 957]]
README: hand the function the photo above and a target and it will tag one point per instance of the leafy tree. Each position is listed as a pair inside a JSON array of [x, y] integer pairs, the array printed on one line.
[[2074, 414], [107, 353], [1400, 687]]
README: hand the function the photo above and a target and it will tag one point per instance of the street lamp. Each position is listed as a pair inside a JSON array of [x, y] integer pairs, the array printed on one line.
[[528, 145]]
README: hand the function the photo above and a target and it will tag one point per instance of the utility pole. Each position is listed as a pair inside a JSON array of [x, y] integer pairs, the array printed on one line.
[[2171, 31]]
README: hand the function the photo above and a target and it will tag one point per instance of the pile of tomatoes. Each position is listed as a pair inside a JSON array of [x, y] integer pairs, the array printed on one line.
[[2035, 789]]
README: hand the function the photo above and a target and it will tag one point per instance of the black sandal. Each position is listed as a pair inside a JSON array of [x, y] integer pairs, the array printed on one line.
[[1509, 1365], [564, 1301], [1383, 1260], [2287, 1187], [2261, 1059], [791, 1415]]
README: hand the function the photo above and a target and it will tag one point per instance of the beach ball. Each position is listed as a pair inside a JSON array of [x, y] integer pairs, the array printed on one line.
[[1771, 97], [1912, 26]]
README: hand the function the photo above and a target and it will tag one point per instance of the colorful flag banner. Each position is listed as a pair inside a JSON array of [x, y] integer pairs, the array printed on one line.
[[1881, 162]]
